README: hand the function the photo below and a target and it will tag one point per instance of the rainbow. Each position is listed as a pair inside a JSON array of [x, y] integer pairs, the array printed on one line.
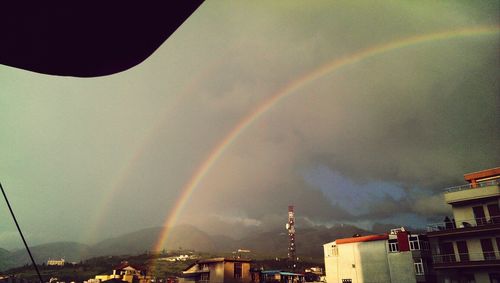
[[289, 89], [116, 183]]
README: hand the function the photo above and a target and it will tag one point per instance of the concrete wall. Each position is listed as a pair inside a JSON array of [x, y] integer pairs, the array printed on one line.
[[464, 213], [469, 194], [216, 272], [330, 263], [363, 262], [402, 267], [229, 273], [482, 277]]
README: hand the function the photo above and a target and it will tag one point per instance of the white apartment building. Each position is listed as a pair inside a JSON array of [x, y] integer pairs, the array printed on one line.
[[395, 257], [466, 247]]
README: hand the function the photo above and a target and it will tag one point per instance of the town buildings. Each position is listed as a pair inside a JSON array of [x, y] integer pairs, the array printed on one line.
[[466, 247], [276, 276], [123, 272], [218, 270], [56, 262], [398, 256]]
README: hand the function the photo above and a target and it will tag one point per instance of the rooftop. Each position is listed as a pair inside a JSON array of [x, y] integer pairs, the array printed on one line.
[[472, 186], [281, 272], [483, 175], [219, 259], [368, 238]]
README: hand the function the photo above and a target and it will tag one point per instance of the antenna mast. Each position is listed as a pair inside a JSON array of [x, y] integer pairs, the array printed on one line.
[[290, 226]]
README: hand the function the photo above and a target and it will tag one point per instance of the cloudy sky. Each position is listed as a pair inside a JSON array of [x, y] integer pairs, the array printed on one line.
[[373, 142]]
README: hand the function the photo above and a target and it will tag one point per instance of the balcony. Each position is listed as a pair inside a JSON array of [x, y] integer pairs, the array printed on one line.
[[467, 260], [470, 192], [467, 226]]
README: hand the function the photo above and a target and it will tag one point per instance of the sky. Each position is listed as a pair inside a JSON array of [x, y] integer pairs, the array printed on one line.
[[375, 141]]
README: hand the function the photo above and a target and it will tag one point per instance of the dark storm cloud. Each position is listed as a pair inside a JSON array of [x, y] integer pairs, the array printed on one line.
[[418, 118], [406, 123]]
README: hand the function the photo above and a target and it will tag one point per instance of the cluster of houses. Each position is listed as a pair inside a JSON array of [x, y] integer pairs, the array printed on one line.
[[214, 270], [183, 257]]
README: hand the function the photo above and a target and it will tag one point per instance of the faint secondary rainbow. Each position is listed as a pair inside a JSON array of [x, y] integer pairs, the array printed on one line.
[[290, 88], [118, 180]]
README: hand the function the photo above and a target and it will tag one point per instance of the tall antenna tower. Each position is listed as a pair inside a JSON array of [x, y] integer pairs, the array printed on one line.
[[290, 226]]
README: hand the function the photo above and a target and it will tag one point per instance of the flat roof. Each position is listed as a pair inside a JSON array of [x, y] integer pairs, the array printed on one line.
[[219, 259], [281, 272], [368, 238], [492, 172]]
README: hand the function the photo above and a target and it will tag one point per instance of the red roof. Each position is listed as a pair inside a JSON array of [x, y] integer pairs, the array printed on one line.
[[368, 238], [482, 174]]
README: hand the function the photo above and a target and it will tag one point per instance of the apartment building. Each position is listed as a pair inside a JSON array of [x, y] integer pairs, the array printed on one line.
[[398, 256], [56, 262], [123, 273], [466, 245], [218, 270]]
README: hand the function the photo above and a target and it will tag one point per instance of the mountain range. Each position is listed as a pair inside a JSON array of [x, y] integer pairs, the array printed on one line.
[[309, 242]]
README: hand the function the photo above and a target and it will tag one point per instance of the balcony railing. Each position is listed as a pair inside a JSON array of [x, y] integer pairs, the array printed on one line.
[[465, 257], [451, 225], [472, 186]]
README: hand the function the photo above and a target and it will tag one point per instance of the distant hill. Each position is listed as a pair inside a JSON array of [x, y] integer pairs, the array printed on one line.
[[183, 236], [5, 259], [70, 251], [309, 241], [265, 244]]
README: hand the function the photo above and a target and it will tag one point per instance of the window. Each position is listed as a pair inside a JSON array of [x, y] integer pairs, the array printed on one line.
[[205, 276], [447, 252], [495, 277], [424, 245], [479, 215], [488, 251], [237, 270], [494, 211], [419, 267], [335, 250], [469, 278], [393, 245], [414, 243], [463, 251]]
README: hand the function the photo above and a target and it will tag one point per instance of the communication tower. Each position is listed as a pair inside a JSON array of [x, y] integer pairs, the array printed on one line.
[[290, 226]]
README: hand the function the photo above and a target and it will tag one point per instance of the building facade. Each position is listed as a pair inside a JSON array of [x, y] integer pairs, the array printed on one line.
[[398, 256], [466, 246], [218, 270], [56, 262], [276, 276], [124, 272]]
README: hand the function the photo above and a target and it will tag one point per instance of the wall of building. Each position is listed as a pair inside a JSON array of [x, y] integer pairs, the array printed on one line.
[[362, 262], [216, 272], [330, 263], [401, 266], [465, 213], [462, 214], [229, 273], [482, 277], [470, 194]]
